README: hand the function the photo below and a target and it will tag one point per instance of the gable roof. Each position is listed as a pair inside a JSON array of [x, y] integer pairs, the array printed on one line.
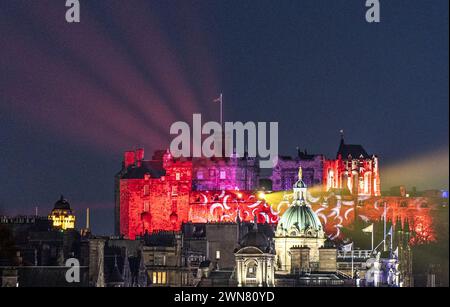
[[353, 150]]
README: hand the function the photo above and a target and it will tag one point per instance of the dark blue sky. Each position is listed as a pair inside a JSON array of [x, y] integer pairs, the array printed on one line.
[[73, 97]]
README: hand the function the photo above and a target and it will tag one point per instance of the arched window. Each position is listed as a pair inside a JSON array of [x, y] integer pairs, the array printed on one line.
[[251, 270]]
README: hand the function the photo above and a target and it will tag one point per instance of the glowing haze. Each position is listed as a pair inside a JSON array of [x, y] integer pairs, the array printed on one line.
[[73, 97]]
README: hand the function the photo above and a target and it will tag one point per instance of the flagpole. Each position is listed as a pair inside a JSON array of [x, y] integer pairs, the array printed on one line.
[[352, 262], [221, 110], [384, 228], [392, 236], [372, 240]]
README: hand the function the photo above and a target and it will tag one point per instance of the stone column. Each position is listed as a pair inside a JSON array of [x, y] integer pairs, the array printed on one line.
[[259, 273], [239, 272]]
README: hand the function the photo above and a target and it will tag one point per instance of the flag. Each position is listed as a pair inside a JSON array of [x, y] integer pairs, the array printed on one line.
[[396, 253], [347, 247], [390, 232], [219, 99], [368, 228]]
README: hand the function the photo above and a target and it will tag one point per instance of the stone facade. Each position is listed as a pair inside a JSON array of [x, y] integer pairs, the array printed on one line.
[[353, 171], [284, 173], [255, 267], [284, 244], [163, 193], [327, 259]]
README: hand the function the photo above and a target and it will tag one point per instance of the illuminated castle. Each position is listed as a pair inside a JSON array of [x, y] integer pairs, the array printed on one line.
[[353, 170], [62, 216], [162, 193]]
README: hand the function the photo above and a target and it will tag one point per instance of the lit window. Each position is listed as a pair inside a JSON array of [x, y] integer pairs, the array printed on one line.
[[217, 255], [146, 206], [199, 175], [159, 278], [174, 190], [223, 175], [177, 176]]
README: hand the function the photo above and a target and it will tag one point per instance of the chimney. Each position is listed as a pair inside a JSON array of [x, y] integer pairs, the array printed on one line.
[[129, 158], [139, 156]]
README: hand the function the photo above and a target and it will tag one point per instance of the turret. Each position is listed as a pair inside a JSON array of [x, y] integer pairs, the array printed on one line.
[[299, 189], [406, 231]]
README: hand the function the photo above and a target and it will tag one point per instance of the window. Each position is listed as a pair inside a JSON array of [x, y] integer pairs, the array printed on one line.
[[159, 260], [199, 175], [146, 190], [159, 278], [146, 206], [223, 175], [177, 176], [212, 172], [174, 190], [251, 270], [217, 255]]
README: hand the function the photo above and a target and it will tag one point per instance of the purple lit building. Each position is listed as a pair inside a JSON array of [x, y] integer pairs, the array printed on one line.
[[285, 172]]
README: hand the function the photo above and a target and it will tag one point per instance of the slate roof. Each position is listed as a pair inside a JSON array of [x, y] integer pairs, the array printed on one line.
[[154, 168], [162, 238], [350, 149]]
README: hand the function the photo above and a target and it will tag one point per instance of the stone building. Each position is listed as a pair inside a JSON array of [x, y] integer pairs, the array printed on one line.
[[255, 260], [152, 195], [217, 174], [62, 216], [163, 259], [299, 234], [285, 172], [353, 171]]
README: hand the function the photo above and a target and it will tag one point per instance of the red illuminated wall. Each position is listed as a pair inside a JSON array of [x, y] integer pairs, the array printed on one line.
[[155, 203], [360, 176], [164, 203], [336, 213], [226, 206]]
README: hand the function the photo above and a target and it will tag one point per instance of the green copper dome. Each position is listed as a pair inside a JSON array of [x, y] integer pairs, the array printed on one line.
[[300, 220]]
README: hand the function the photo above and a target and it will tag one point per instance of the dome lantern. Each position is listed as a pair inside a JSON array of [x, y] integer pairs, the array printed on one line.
[[299, 189], [299, 220]]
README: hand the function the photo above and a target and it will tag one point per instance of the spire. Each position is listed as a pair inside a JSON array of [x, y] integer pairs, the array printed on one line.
[[142, 274], [300, 173], [87, 218], [341, 144], [406, 226], [238, 218], [126, 271], [398, 224]]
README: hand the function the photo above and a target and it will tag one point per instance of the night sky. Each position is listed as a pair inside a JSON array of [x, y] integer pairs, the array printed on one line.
[[73, 97]]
